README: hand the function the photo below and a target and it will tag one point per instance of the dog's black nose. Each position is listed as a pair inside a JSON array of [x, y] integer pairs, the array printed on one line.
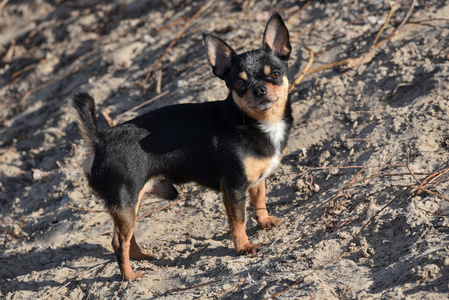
[[260, 91]]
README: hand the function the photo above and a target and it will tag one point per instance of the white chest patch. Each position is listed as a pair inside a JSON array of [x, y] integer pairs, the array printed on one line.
[[276, 133]]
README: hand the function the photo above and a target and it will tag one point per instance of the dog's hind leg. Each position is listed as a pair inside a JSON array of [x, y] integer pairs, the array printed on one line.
[[124, 241], [135, 252], [124, 224]]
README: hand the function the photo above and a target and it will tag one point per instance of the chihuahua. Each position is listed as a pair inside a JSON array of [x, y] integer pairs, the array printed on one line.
[[230, 145]]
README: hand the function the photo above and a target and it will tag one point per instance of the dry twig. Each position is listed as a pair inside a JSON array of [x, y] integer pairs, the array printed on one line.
[[374, 45], [296, 14], [95, 283], [109, 120], [303, 73], [84, 209], [241, 281], [175, 40], [192, 287], [161, 208], [3, 3], [343, 254], [86, 272], [141, 105], [430, 192], [338, 194], [432, 177], [408, 163], [70, 72]]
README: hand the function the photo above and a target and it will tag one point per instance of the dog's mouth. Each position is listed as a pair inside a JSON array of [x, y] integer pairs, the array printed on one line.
[[262, 104]]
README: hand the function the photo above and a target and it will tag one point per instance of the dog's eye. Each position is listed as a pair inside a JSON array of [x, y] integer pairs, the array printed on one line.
[[239, 84], [275, 74]]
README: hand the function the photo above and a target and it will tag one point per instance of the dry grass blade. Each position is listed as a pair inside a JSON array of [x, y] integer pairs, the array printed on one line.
[[408, 165], [241, 281], [142, 104], [193, 286], [90, 270], [379, 175], [23, 70], [161, 208], [339, 192], [95, 283], [430, 192], [295, 15], [70, 72], [351, 167], [3, 3], [175, 40], [432, 177], [303, 73], [111, 123], [409, 14], [343, 254], [385, 24], [328, 66], [85, 209]]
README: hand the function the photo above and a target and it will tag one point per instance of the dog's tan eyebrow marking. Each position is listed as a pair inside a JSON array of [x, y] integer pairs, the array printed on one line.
[[243, 75], [267, 70]]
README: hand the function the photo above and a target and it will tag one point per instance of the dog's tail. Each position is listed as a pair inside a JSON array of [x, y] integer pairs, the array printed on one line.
[[85, 107]]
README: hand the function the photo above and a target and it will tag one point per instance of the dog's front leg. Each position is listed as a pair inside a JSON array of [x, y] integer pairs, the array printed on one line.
[[257, 195], [235, 205]]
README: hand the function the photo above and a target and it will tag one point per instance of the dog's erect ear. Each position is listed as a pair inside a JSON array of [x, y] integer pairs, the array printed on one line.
[[276, 38], [219, 55]]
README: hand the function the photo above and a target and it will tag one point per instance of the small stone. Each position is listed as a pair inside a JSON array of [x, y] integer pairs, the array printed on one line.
[[446, 262], [371, 20], [37, 174], [300, 184]]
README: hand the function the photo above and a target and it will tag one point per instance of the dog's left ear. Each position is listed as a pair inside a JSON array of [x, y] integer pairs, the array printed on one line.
[[276, 38]]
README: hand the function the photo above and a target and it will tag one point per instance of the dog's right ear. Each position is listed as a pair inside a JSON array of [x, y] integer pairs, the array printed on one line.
[[219, 55]]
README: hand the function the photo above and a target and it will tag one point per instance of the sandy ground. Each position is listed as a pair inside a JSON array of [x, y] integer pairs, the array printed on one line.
[[362, 192]]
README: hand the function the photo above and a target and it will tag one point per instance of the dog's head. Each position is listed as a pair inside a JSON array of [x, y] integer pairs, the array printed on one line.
[[257, 79]]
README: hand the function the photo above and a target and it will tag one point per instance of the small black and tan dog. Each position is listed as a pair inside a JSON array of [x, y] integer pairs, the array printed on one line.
[[230, 145]]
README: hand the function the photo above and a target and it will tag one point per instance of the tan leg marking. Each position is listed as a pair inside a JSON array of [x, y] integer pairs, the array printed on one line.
[[124, 223], [257, 195], [124, 242], [254, 168], [237, 227]]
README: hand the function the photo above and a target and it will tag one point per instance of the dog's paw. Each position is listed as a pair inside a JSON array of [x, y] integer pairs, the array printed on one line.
[[268, 222], [248, 249], [133, 275]]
